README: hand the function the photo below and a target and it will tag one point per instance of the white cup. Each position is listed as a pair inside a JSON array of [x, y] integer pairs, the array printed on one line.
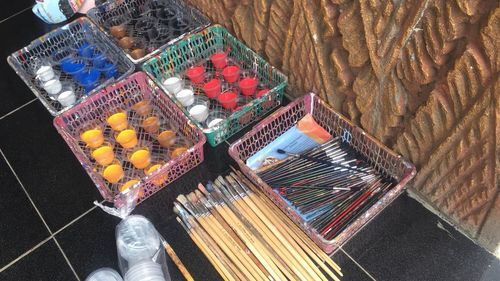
[[199, 112], [67, 98], [45, 73], [185, 97], [53, 87], [173, 85]]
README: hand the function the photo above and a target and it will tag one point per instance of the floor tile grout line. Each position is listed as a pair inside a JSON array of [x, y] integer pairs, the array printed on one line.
[[20, 107], [359, 265], [15, 14], [74, 221], [66, 258], [26, 192], [48, 238], [25, 253]]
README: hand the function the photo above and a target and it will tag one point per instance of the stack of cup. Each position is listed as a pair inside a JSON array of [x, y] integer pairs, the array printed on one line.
[[140, 252], [145, 270], [104, 274]]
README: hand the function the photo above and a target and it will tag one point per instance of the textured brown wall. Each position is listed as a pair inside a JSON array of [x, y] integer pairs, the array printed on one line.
[[422, 76]]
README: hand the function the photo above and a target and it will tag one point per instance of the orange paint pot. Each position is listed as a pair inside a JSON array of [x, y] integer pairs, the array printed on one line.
[[93, 137], [140, 157], [167, 138], [127, 138], [159, 179], [151, 124], [113, 173], [104, 154], [118, 121]]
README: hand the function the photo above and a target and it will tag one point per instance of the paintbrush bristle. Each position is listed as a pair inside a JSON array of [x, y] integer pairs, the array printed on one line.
[[202, 189], [182, 199], [210, 186], [198, 194], [192, 197]]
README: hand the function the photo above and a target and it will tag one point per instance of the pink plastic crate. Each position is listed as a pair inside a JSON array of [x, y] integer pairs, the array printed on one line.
[[381, 157], [123, 95]]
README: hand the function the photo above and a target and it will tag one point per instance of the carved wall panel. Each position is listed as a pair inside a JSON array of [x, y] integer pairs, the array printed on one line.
[[420, 75]]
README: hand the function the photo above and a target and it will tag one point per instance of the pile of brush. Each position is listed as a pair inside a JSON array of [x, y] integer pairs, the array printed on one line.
[[247, 237]]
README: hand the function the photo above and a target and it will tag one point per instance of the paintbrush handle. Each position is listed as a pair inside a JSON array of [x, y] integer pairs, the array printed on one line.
[[324, 162], [171, 253]]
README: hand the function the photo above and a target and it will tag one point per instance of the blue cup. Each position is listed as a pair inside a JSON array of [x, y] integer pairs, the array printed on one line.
[[109, 70], [83, 49], [72, 66], [89, 79]]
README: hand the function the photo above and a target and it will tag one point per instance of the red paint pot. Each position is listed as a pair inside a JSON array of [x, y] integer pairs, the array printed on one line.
[[228, 99], [248, 85], [231, 73], [219, 60], [196, 73], [212, 88], [262, 92]]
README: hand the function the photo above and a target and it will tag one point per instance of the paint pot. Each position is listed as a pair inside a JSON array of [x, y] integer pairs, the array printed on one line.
[[185, 97], [196, 73], [248, 85], [215, 117], [228, 99], [173, 84], [262, 92], [212, 87], [219, 60], [231, 73], [45, 73], [199, 109], [53, 87]]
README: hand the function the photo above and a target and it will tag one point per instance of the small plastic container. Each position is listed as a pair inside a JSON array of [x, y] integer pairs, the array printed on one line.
[[109, 70], [140, 157], [141, 255], [53, 87], [219, 60], [231, 72], [212, 86], [196, 73], [127, 138], [215, 117], [173, 84], [67, 96], [104, 274], [89, 79], [248, 83], [229, 98], [198, 110], [143, 107], [151, 123], [185, 96], [118, 120], [104, 154]]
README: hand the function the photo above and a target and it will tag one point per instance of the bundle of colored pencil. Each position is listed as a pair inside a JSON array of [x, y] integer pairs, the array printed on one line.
[[247, 237]]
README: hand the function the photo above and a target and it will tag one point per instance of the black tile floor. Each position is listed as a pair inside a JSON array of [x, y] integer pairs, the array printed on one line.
[[50, 230]]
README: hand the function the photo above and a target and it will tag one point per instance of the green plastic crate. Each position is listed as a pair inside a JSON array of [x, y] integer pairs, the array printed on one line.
[[199, 47]]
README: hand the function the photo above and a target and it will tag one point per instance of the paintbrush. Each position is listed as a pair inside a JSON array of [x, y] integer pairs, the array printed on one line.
[[320, 161], [284, 221]]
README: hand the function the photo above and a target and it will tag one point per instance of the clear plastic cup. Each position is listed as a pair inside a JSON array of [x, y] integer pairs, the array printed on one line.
[[136, 239], [52, 87], [173, 84], [215, 117], [199, 108], [185, 96], [104, 274]]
